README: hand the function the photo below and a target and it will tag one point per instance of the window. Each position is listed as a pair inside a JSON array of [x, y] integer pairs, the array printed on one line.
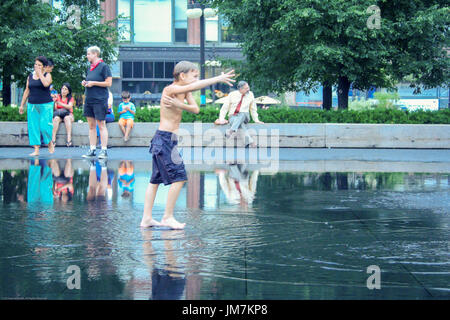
[[180, 23], [153, 20], [130, 86], [124, 8], [227, 33], [159, 69], [124, 22], [148, 70], [165, 21], [127, 69], [137, 70], [153, 86], [212, 29], [169, 70], [139, 87]]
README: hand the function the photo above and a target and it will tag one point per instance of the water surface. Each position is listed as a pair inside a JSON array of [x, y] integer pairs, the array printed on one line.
[[249, 234]]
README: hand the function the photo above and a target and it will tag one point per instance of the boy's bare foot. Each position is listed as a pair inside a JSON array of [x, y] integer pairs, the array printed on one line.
[[172, 224], [34, 154], [126, 138], [51, 147], [148, 223]]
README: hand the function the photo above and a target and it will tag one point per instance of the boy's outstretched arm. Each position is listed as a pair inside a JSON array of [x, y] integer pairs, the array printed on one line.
[[197, 85], [192, 106]]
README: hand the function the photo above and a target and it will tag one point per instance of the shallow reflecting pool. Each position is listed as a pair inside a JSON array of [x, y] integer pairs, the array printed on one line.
[[249, 234]]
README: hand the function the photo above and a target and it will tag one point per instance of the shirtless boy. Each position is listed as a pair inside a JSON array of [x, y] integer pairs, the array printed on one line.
[[168, 167]]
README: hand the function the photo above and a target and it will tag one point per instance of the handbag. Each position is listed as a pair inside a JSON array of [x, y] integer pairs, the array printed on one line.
[[61, 113]]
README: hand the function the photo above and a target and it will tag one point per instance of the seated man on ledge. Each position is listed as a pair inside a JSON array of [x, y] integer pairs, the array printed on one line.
[[238, 106]]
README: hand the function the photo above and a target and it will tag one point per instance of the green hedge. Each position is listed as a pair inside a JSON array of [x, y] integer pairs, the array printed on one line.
[[282, 115]]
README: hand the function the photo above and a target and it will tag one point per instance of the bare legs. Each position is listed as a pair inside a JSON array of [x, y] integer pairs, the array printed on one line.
[[68, 122], [126, 131], [167, 220], [150, 194], [36, 151], [51, 149], [56, 122], [92, 131], [103, 133]]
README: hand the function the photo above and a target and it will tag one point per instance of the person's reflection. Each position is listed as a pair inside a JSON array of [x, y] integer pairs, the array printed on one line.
[[169, 283], [14, 185], [40, 182], [63, 179], [126, 177], [98, 181], [237, 184]]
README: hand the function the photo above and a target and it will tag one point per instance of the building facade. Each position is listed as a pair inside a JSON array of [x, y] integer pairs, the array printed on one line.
[[155, 35]]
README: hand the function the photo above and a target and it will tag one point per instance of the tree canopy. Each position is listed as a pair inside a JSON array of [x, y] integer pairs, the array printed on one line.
[[293, 45], [29, 28]]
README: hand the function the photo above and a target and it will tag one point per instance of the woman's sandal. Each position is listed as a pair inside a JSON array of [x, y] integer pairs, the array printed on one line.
[[69, 143]]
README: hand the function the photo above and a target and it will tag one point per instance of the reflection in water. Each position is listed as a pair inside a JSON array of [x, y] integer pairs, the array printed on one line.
[[98, 181], [126, 178], [62, 179], [40, 182], [167, 283], [306, 236], [237, 184]]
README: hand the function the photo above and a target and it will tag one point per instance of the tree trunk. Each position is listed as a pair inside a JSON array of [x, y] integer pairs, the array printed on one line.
[[343, 87], [327, 96], [6, 91]]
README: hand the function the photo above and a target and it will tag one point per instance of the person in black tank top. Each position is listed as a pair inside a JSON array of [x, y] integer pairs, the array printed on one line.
[[40, 106]]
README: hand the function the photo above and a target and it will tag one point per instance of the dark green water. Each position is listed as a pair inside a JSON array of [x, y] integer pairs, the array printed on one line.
[[282, 236]]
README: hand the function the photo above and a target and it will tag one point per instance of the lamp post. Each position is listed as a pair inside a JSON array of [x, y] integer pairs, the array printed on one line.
[[213, 63], [198, 10]]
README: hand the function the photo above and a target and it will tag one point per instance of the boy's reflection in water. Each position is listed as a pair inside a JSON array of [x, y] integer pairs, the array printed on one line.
[[238, 185], [168, 283], [126, 178]]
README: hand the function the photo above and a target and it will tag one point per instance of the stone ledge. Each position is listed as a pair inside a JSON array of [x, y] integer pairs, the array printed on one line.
[[322, 135]]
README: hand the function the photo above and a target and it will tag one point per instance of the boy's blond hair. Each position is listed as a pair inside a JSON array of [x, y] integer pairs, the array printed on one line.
[[183, 67]]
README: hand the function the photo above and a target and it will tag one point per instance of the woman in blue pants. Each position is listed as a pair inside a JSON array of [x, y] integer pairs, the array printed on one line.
[[40, 106]]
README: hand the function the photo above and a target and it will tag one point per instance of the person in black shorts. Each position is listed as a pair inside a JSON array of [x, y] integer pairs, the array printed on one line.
[[168, 167], [98, 79]]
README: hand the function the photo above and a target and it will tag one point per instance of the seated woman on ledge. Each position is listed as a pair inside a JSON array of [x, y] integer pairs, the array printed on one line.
[[64, 112]]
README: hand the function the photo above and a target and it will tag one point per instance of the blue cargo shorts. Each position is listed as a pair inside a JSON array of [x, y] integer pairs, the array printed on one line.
[[167, 164]]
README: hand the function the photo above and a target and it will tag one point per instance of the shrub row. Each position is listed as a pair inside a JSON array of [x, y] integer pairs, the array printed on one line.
[[281, 115]]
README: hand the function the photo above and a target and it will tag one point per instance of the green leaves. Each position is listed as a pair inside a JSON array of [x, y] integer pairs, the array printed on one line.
[[31, 28], [280, 115], [294, 45]]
